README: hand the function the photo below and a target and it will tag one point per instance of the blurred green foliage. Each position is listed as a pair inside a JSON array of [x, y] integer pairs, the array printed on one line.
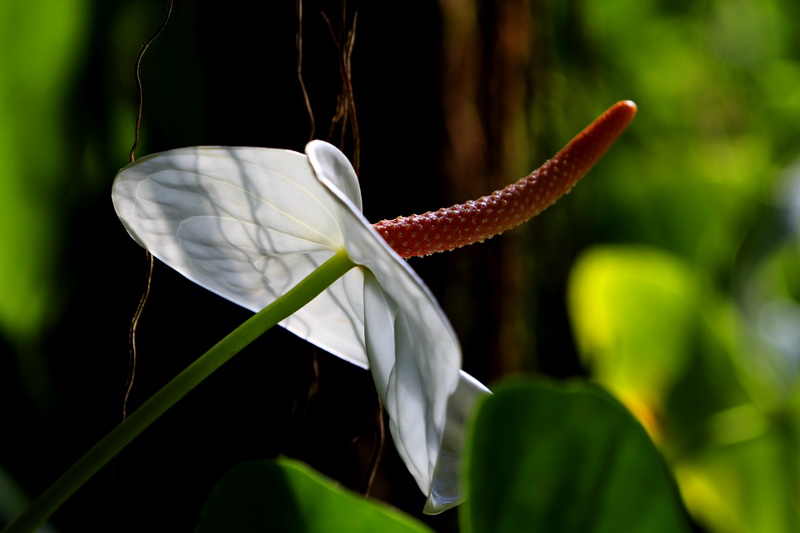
[[41, 44], [685, 304]]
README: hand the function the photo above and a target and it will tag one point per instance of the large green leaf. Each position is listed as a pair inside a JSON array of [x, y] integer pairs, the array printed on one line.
[[286, 495], [564, 458]]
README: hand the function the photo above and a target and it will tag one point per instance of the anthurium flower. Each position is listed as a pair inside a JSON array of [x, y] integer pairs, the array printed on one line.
[[250, 223]]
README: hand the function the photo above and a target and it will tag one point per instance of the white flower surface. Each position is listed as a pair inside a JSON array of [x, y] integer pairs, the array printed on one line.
[[250, 223]]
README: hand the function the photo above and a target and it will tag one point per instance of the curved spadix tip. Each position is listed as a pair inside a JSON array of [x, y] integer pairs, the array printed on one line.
[[626, 108], [629, 104]]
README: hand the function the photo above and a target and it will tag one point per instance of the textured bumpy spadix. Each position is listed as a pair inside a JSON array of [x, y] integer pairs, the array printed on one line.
[[250, 223], [474, 221]]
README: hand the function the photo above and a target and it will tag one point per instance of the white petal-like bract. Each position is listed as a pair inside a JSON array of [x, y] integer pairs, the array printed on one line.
[[250, 223], [247, 224], [413, 352]]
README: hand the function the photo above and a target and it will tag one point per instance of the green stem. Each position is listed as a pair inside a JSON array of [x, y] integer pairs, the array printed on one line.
[[302, 293]]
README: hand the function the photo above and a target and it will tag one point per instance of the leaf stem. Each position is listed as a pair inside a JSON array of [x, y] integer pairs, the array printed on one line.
[[119, 437]]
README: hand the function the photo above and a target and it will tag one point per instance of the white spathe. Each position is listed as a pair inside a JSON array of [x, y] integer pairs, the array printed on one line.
[[249, 223]]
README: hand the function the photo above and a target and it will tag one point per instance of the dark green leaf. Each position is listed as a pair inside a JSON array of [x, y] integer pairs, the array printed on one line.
[[286, 495], [567, 459]]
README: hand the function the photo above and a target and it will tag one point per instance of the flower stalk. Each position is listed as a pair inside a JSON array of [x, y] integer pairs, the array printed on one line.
[[205, 365]]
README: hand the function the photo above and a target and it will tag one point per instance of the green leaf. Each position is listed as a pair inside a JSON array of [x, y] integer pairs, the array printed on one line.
[[635, 311], [41, 57], [564, 458], [286, 495]]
